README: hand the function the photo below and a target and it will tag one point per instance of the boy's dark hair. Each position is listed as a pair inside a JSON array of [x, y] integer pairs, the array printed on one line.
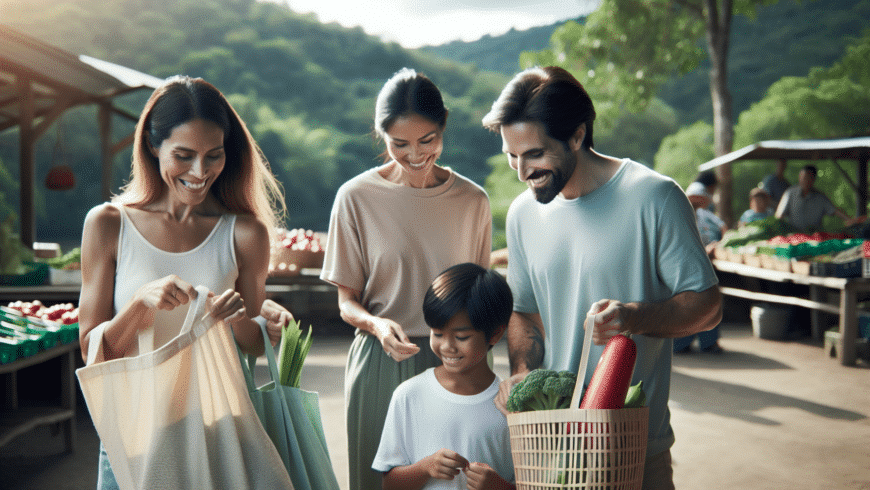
[[810, 169], [482, 293]]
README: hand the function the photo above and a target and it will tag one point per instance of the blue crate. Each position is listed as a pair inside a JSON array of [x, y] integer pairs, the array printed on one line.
[[864, 325]]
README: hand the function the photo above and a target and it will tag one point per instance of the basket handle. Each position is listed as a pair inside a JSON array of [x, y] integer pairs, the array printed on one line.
[[581, 371]]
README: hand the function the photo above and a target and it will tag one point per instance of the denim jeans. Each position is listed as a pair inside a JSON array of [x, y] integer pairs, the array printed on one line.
[[105, 475], [705, 339]]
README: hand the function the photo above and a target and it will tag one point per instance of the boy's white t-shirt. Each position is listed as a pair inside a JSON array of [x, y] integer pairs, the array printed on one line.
[[424, 417]]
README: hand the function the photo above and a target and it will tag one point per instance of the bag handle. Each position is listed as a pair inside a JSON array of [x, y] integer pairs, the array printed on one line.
[[249, 361], [581, 371], [197, 309], [95, 344]]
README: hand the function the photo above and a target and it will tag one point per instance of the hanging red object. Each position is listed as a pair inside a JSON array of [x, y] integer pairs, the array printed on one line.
[[60, 178]]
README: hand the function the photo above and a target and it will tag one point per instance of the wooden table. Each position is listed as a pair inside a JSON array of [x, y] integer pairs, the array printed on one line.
[[17, 418], [46, 294], [846, 308]]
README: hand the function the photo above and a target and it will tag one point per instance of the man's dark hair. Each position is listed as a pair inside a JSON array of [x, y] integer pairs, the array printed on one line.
[[550, 96]]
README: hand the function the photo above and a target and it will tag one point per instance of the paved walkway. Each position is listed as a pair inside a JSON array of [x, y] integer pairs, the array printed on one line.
[[764, 415]]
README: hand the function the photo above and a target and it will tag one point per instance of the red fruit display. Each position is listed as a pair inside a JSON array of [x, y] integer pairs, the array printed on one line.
[[65, 313], [295, 250]]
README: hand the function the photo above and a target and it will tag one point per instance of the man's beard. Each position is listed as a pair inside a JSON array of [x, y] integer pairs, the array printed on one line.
[[558, 178]]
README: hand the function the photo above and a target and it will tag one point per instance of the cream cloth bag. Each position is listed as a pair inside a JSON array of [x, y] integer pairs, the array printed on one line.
[[180, 417]]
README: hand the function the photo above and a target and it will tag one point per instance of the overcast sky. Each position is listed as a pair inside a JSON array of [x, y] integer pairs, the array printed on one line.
[[415, 23]]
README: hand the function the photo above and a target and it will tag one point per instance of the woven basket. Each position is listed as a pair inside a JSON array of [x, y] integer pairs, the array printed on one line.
[[579, 449]]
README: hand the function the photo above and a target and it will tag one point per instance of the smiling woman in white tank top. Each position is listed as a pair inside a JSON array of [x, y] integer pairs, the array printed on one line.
[[199, 210]]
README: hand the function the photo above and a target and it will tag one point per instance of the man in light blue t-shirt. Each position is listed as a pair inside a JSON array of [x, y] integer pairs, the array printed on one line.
[[600, 238]]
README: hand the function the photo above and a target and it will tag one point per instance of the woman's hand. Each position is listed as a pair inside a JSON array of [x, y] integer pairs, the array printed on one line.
[[229, 307], [396, 344], [166, 293], [276, 318]]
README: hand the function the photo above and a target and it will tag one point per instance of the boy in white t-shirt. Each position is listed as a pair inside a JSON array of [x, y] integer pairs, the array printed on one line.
[[443, 429]]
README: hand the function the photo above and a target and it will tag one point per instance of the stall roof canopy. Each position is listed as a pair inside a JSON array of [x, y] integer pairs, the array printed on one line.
[[59, 79], [835, 149], [39, 83]]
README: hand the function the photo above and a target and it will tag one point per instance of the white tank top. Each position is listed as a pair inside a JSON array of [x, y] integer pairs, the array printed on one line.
[[211, 264]]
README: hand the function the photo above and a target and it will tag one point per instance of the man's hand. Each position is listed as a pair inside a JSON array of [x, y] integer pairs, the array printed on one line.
[[504, 391], [606, 319], [482, 477]]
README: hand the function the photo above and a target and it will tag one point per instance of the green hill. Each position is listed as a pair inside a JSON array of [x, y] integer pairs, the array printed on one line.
[[786, 38], [497, 53], [305, 89]]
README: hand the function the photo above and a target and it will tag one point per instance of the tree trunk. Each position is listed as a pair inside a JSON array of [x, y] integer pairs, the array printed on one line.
[[718, 33]]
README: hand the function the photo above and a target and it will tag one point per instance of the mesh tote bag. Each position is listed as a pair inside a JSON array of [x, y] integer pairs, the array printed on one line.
[[180, 416]]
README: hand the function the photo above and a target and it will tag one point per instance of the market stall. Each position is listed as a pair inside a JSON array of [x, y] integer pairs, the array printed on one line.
[[823, 263]]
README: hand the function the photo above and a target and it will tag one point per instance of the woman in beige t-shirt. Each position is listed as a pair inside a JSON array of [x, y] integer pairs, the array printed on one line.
[[392, 230]]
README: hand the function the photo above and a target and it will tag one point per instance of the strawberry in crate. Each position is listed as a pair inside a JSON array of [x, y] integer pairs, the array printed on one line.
[[295, 250]]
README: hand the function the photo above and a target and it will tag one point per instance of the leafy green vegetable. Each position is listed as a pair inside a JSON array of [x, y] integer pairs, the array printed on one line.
[[13, 253], [636, 397], [542, 389], [72, 257], [291, 354]]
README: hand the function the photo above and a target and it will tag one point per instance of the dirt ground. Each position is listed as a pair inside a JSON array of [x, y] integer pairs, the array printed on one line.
[[764, 415]]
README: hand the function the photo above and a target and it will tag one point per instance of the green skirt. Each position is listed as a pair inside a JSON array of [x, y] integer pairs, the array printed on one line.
[[369, 381]]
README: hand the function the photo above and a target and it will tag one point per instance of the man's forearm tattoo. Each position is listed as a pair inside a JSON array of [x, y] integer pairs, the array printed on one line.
[[530, 353]]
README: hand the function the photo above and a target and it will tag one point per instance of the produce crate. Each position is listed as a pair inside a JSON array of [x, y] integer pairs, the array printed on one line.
[[821, 269], [752, 259], [68, 333], [36, 275], [853, 268], [801, 267], [735, 256], [864, 325], [832, 337], [62, 277]]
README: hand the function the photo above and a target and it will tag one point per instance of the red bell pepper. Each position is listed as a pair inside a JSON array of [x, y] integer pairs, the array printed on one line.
[[612, 376]]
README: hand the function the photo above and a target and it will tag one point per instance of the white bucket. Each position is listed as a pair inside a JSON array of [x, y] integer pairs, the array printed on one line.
[[769, 321]]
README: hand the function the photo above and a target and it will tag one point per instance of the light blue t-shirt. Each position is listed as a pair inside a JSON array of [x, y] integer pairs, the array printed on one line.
[[749, 216], [709, 226], [632, 239]]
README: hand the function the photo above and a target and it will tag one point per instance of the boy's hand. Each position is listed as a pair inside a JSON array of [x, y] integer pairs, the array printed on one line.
[[444, 464], [504, 391], [482, 477]]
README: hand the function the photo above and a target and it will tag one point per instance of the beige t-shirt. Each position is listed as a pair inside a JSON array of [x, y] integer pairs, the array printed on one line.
[[389, 241]]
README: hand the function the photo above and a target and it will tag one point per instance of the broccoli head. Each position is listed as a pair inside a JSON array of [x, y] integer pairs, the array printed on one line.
[[542, 389]]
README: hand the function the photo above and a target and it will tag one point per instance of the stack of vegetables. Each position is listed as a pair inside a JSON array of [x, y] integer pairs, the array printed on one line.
[[609, 388], [771, 243], [291, 354]]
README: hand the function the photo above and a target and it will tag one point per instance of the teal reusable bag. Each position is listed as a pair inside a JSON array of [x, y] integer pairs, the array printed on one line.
[[292, 419]]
